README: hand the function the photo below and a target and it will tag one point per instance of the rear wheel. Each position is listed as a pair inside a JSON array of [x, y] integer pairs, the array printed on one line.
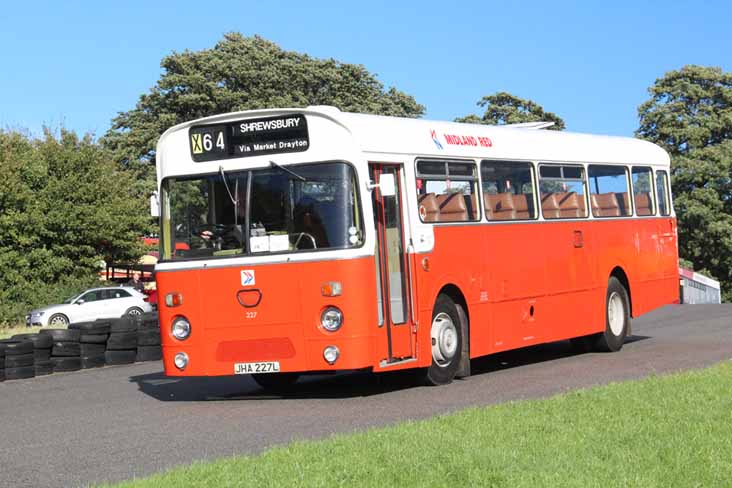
[[617, 317], [276, 382], [134, 311], [446, 338]]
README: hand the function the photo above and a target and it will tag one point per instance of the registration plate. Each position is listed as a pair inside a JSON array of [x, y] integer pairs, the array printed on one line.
[[256, 368]]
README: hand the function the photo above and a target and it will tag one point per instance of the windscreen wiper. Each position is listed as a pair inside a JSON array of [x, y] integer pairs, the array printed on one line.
[[301, 178]]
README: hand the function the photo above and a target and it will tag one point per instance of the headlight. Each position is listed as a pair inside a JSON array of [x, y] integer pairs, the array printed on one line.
[[331, 354], [331, 319], [181, 328], [181, 360]]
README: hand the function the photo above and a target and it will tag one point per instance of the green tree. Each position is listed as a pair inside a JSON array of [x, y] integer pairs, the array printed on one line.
[[690, 115], [65, 207], [243, 73], [504, 108], [689, 109]]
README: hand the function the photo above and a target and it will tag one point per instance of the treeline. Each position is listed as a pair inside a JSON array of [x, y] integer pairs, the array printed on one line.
[[70, 202]]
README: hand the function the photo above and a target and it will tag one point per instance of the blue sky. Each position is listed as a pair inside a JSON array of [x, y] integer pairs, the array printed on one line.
[[79, 63]]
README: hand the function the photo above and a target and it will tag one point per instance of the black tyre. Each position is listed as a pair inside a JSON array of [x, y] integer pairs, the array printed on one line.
[[43, 368], [148, 337], [42, 354], [88, 350], [20, 373], [17, 348], [149, 353], [617, 318], [2, 375], [120, 357], [19, 361], [119, 341], [276, 382], [58, 320], [149, 320], [91, 327], [94, 338], [93, 361], [66, 349], [68, 335], [123, 324], [446, 336], [39, 341], [62, 364]]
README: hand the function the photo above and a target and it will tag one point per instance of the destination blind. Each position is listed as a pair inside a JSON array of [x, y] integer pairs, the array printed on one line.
[[250, 137]]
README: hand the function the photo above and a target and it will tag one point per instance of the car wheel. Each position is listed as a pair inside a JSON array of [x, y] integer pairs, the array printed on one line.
[[134, 311], [58, 320]]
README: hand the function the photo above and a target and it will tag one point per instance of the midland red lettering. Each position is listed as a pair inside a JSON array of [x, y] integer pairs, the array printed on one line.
[[455, 140]]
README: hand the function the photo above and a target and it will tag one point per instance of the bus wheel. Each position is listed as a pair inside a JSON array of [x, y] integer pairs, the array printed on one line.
[[617, 317], [446, 336], [275, 382]]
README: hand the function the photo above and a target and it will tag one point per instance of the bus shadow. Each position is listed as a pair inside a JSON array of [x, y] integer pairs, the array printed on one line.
[[336, 386]]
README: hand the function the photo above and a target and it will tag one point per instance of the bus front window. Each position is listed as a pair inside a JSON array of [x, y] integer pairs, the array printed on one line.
[[297, 208]]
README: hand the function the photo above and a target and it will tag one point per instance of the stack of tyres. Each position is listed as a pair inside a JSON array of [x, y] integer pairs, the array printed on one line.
[[148, 338], [19, 362], [93, 342], [66, 349], [42, 345], [122, 343], [2, 363]]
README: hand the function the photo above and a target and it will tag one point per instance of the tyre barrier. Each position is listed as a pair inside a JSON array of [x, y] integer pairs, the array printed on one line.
[[83, 345]]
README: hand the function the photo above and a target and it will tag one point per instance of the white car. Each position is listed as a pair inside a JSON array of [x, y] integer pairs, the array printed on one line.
[[96, 303]]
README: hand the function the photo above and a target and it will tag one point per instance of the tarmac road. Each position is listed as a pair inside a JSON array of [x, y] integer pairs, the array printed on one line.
[[117, 423]]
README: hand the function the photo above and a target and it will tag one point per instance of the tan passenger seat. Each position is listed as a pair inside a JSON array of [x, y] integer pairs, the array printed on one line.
[[452, 208], [428, 208], [623, 203], [571, 206], [550, 205], [521, 206], [643, 204], [605, 205]]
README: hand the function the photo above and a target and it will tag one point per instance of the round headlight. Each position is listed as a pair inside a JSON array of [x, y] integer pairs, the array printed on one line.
[[181, 328], [181, 360], [331, 319], [331, 354]]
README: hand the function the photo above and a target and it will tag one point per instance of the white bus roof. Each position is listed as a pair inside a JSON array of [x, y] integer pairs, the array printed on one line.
[[382, 135]]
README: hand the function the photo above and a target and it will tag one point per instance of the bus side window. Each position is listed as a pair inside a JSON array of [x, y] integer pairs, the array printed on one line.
[[447, 191], [662, 192], [643, 191], [609, 191], [562, 191], [508, 190]]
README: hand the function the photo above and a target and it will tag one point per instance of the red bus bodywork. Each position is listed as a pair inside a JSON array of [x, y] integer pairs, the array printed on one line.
[[523, 284]]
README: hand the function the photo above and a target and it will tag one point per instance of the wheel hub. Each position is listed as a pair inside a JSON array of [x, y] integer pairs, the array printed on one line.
[[444, 339], [615, 314]]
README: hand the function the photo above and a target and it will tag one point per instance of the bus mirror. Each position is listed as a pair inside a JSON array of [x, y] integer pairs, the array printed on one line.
[[154, 205], [387, 185]]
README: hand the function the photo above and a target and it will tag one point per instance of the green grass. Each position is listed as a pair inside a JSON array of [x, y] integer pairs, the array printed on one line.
[[8, 331], [658, 432]]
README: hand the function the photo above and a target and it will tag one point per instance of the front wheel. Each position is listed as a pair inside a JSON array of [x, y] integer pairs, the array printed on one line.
[[58, 320], [617, 317], [446, 337]]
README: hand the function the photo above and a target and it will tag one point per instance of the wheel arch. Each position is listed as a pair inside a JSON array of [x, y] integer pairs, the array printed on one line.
[[619, 273]]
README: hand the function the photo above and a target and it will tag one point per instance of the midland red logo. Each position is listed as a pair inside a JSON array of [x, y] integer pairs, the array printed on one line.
[[461, 140], [247, 277]]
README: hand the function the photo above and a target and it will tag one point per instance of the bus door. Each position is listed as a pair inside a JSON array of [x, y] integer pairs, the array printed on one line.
[[393, 270]]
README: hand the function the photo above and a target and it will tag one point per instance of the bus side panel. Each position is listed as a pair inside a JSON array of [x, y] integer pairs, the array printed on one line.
[[229, 326], [455, 260]]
